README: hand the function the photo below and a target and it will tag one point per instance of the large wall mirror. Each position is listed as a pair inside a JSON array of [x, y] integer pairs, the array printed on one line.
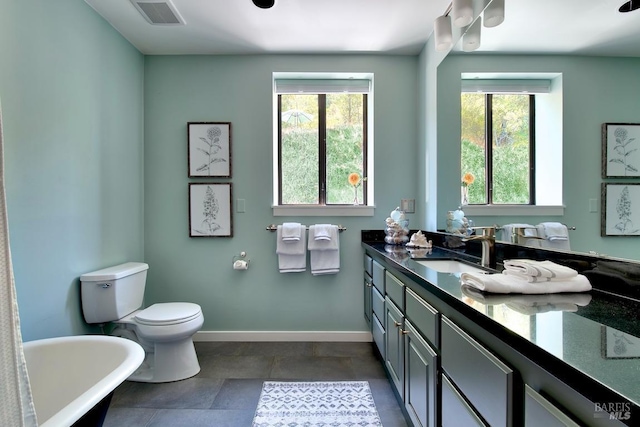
[[591, 53]]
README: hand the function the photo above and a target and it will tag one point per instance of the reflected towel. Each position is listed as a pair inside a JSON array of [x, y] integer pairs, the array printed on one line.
[[531, 304], [506, 283], [322, 231], [291, 231], [537, 271], [529, 231], [324, 255], [555, 235]]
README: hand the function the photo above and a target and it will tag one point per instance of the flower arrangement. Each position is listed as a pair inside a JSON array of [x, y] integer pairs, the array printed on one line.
[[467, 180], [355, 180]]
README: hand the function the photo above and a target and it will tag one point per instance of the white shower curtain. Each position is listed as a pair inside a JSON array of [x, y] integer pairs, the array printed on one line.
[[16, 403]]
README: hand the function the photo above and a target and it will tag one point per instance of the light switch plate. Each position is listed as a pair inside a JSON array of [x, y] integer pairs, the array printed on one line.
[[593, 205], [408, 205], [240, 205]]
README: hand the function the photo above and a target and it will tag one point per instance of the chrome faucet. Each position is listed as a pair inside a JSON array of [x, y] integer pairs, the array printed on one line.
[[488, 240]]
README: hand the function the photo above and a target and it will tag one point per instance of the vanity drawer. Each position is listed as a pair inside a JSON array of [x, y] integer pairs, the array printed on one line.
[[483, 379], [455, 410], [368, 265], [377, 331], [395, 290], [377, 302], [538, 411], [378, 276], [424, 317]]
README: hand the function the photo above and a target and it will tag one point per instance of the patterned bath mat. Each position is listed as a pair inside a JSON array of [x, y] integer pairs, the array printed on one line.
[[316, 404]]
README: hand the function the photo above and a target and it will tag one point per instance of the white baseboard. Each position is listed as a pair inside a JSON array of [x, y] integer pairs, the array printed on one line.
[[288, 336]]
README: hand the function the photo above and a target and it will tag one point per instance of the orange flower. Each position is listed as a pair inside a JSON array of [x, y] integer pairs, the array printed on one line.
[[354, 179], [468, 178]]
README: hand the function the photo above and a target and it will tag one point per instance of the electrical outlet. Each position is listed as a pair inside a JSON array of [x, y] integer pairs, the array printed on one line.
[[408, 205]]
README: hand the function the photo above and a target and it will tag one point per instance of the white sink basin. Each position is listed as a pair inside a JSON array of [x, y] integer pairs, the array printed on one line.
[[449, 266]]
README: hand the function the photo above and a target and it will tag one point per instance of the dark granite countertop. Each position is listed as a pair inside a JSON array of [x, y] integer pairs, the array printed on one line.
[[596, 333]]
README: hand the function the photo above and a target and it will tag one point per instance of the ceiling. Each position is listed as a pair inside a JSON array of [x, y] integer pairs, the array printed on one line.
[[585, 27]]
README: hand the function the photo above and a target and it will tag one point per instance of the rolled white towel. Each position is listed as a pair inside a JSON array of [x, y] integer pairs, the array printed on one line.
[[537, 271], [506, 283]]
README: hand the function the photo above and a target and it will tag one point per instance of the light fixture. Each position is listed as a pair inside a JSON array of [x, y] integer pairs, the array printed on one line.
[[494, 13], [630, 6], [443, 35], [462, 12], [471, 39], [264, 4]]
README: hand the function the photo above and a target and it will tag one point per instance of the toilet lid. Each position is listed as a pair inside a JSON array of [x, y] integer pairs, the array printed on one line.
[[168, 313]]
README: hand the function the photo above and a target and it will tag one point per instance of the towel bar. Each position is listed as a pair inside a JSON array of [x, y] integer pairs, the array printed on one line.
[[273, 227], [499, 227]]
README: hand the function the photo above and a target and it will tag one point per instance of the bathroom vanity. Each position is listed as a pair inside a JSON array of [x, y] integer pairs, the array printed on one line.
[[458, 358]]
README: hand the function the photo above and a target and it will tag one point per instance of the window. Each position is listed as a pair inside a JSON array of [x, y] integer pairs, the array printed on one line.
[[498, 147], [322, 136]]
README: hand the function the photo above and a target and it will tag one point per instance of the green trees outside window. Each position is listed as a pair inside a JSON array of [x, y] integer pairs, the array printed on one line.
[[497, 146], [322, 139]]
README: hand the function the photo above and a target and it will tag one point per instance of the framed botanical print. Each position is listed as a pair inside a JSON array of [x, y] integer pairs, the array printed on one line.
[[620, 209], [210, 213], [209, 149], [620, 150]]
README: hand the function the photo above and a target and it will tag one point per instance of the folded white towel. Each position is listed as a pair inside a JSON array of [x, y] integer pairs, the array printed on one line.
[[537, 271], [322, 231], [291, 231], [290, 247], [555, 231], [324, 255], [531, 304], [332, 243], [292, 255], [504, 284]]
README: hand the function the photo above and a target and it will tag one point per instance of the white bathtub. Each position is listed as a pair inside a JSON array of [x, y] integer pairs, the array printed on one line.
[[71, 375]]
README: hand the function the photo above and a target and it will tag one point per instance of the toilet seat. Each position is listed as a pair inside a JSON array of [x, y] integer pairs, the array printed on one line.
[[169, 313]]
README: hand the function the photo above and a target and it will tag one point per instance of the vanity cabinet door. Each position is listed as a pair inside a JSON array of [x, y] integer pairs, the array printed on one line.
[[455, 411], [395, 290], [485, 381], [421, 370], [368, 300], [368, 265], [377, 330], [539, 412], [423, 316], [394, 360]]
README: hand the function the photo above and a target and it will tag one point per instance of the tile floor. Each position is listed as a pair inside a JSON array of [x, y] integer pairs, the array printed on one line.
[[225, 393]]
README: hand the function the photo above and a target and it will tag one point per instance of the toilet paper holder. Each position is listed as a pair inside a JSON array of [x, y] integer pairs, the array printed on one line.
[[241, 262]]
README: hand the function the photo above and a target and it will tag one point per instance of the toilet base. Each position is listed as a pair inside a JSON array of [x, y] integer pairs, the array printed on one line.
[[170, 361]]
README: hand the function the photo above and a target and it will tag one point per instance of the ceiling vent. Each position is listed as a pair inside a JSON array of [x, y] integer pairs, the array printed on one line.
[[158, 12]]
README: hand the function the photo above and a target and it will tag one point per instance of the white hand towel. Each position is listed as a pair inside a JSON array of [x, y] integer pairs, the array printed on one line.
[[292, 255], [505, 284], [537, 271], [324, 255], [528, 237], [555, 235], [291, 231], [322, 231]]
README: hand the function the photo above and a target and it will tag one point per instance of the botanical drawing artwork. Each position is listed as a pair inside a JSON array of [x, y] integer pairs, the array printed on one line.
[[623, 153], [212, 142], [210, 210], [623, 208]]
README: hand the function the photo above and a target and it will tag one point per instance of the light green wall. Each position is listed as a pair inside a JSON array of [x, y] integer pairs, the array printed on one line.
[[596, 90], [238, 89], [72, 102]]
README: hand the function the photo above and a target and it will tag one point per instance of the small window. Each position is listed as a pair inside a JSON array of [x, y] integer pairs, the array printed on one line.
[[498, 147], [322, 142]]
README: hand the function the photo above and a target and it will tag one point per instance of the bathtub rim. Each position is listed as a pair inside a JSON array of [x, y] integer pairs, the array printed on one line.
[[92, 396]]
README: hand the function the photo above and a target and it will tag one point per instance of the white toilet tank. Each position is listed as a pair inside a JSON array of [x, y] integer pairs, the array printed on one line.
[[112, 293]]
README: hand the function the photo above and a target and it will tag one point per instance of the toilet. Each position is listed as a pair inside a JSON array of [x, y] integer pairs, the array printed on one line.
[[165, 331]]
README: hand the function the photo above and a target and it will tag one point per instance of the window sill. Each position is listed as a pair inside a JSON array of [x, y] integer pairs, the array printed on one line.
[[512, 210], [298, 210]]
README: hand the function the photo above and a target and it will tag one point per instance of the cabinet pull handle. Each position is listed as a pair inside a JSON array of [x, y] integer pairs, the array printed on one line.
[[369, 284], [398, 324], [404, 332]]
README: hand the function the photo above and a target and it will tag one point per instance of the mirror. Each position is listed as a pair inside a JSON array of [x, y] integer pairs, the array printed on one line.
[[597, 69]]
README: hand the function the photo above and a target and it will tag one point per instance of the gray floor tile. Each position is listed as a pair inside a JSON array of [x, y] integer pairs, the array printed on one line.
[[235, 366], [312, 368], [278, 349], [119, 417], [238, 394], [193, 393], [202, 418], [215, 348], [343, 349], [383, 395], [367, 368]]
